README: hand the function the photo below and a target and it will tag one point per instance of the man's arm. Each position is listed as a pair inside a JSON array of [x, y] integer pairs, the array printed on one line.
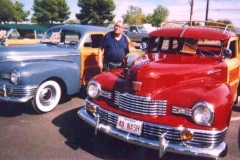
[[100, 57]]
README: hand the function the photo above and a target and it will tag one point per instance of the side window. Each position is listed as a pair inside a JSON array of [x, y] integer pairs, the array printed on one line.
[[71, 38], [165, 44], [27, 34], [133, 29], [93, 41], [88, 42], [14, 34], [39, 34], [153, 44], [174, 44], [96, 40], [232, 47]]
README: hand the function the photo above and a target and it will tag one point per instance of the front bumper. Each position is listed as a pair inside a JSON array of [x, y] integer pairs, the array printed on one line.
[[162, 145], [14, 93]]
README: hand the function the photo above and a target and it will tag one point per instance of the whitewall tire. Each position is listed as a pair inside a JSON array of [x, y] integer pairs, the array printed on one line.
[[46, 97]]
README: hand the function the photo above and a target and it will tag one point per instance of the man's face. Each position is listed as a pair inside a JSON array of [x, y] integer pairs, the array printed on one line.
[[118, 28]]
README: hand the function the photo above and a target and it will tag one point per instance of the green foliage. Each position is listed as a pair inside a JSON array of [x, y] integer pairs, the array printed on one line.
[[95, 12], [18, 14], [149, 18], [225, 21], [72, 22], [6, 7], [160, 14], [48, 11], [134, 16]]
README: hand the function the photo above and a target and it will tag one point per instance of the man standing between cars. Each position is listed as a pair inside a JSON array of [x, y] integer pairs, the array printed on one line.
[[114, 47]]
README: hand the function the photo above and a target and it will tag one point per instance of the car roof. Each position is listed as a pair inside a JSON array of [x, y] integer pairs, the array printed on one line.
[[81, 28], [193, 32]]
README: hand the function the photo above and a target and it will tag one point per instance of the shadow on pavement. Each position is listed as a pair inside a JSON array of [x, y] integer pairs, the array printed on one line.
[[8, 109], [80, 135]]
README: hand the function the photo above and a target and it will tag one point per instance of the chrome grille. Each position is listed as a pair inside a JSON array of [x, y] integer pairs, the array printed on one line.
[[203, 139], [140, 104], [21, 91]]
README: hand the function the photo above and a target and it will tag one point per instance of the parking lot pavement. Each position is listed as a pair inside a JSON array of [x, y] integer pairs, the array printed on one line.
[[62, 135]]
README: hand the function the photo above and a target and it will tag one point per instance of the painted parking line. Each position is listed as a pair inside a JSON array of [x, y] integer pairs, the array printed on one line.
[[235, 119]]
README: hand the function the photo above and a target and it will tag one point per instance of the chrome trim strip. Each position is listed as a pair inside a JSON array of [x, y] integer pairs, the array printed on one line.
[[213, 71], [183, 31], [183, 111], [153, 144], [140, 104], [22, 57], [105, 94], [18, 93]]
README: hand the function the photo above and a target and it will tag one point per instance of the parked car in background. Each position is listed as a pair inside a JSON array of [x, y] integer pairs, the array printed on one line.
[[178, 97], [137, 33], [20, 34], [62, 64]]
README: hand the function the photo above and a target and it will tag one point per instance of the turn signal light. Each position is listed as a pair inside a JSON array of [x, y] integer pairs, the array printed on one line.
[[187, 135], [2, 91], [91, 109]]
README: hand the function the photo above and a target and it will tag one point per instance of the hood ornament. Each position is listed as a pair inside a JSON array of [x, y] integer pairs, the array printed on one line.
[[136, 85]]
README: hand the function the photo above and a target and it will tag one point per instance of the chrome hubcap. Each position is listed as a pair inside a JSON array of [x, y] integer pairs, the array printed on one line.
[[47, 95]]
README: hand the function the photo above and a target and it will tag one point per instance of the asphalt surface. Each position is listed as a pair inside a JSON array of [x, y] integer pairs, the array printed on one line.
[[62, 135]]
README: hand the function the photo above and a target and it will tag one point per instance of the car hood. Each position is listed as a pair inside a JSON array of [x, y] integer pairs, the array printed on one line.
[[38, 51], [166, 71]]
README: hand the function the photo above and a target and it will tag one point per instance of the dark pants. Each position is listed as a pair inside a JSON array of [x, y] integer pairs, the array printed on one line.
[[112, 65]]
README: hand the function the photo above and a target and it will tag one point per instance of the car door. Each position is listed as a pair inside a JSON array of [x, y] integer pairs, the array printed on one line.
[[233, 65], [89, 55]]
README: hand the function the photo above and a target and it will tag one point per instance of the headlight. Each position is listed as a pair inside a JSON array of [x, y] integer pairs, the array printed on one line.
[[15, 77], [202, 113], [93, 89]]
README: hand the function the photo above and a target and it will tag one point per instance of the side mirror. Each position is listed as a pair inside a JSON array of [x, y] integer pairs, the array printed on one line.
[[227, 53]]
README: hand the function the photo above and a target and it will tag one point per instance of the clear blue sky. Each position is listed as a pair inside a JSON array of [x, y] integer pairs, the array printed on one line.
[[179, 9]]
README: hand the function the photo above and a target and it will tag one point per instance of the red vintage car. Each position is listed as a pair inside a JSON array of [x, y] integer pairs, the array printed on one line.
[[177, 97]]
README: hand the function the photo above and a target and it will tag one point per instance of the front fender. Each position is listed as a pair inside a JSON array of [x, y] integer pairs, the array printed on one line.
[[34, 73], [187, 94]]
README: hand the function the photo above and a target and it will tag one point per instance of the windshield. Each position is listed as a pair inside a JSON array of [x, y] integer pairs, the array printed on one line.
[[184, 45], [61, 37]]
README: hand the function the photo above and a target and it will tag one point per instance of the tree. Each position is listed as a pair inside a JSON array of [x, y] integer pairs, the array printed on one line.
[[149, 18], [134, 16], [5, 10], [19, 14], [225, 21], [49, 11], [160, 14], [95, 12]]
